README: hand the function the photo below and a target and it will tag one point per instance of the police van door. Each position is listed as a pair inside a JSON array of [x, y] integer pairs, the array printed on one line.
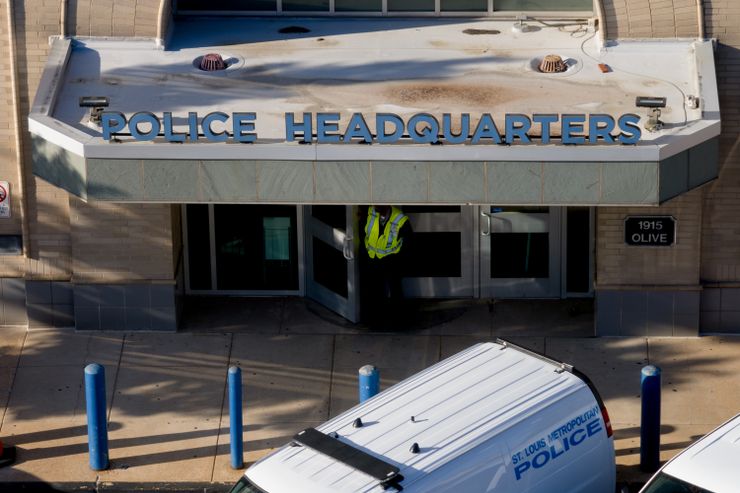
[[520, 252], [331, 258]]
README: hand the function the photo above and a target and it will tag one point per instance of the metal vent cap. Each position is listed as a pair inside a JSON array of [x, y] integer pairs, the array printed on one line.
[[552, 64]]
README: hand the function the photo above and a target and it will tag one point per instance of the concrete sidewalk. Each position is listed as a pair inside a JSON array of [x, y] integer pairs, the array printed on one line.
[[168, 408]]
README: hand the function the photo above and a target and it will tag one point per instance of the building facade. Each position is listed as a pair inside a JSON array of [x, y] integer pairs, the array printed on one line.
[[115, 236]]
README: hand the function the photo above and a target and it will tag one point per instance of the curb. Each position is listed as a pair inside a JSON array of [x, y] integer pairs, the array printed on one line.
[[108, 487]]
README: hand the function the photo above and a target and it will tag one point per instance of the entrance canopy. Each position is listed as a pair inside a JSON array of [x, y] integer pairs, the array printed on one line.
[[449, 111]]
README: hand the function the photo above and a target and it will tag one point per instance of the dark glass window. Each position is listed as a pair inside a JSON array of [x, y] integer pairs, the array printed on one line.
[[225, 5], [358, 5], [663, 483], [410, 5], [433, 255], [331, 215], [306, 5], [199, 246], [520, 255], [256, 247], [578, 259], [330, 267], [464, 5], [412, 209]]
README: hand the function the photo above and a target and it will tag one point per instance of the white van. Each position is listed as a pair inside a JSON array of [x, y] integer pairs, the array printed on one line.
[[493, 418], [711, 465]]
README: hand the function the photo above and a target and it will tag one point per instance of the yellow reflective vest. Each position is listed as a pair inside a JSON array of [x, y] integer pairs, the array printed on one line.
[[388, 243]]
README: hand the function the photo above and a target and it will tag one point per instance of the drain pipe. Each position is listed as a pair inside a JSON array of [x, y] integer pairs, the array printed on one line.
[[23, 205], [700, 18], [599, 7], [63, 19], [160, 23]]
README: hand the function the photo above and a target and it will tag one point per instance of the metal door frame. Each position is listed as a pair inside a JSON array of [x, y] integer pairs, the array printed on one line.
[[494, 288], [348, 243]]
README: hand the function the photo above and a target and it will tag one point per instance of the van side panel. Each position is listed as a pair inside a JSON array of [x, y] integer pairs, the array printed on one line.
[[481, 469], [564, 448]]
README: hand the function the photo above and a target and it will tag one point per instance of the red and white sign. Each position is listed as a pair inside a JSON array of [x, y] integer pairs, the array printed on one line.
[[4, 199]]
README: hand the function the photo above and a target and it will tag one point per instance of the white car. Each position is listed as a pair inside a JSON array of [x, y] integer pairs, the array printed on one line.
[[496, 418], [711, 465]]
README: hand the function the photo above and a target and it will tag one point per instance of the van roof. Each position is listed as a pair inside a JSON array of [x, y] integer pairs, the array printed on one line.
[[712, 462], [455, 405]]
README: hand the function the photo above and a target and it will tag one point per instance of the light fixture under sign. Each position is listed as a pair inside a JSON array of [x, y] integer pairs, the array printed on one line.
[[96, 103], [654, 103]]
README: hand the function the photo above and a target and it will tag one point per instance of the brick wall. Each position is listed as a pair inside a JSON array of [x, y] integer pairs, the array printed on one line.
[[114, 243], [50, 239], [47, 206], [651, 18], [620, 265], [8, 160], [720, 226], [113, 18], [721, 232]]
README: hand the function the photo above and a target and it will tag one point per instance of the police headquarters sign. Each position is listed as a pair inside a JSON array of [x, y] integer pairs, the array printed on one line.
[[420, 128], [650, 230]]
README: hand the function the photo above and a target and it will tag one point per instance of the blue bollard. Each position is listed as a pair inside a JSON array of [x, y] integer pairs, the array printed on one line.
[[369, 382], [650, 419], [235, 417], [97, 423]]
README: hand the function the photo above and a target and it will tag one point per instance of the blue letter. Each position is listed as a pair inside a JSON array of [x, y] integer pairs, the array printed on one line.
[[380, 120], [545, 121], [241, 123], [519, 470], [429, 133], [554, 452], [572, 124], [220, 116], [144, 117], [169, 135], [595, 131], [193, 126], [573, 440], [593, 427], [327, 122], [486, 129], [537, 464], [358, 128], [292, 128], [112, 122], [447, 128], [520, 130], [628, 124]]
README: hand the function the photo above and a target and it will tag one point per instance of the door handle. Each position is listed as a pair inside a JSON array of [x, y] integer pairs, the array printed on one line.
[[347, 249], [487, 230]]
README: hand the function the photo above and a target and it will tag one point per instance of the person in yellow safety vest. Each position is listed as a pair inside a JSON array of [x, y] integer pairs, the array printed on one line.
[[387, 234]]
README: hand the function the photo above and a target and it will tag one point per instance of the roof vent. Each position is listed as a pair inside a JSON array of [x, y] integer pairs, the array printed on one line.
[[357, 423], [294, 30], [474, 32], [212, 62], [552, 64], [414, 448]]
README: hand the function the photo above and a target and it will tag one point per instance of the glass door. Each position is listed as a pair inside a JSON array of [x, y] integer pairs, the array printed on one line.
[[520, 252], [240, 249], [331, 258], [441, 258]]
